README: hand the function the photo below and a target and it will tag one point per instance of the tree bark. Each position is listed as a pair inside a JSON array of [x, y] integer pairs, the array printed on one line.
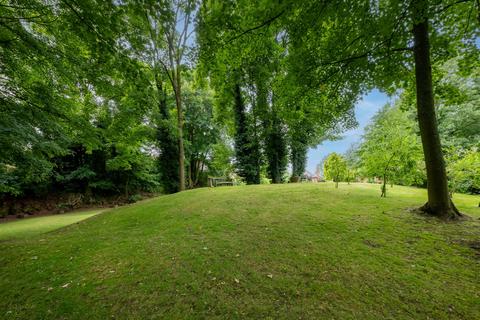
[[384, 187], [439, 203], [181, 150]]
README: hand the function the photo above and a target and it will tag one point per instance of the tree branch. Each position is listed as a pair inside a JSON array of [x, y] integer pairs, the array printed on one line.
[[263, 24]]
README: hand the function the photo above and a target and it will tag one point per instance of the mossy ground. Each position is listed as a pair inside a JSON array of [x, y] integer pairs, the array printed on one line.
[[296, 251]]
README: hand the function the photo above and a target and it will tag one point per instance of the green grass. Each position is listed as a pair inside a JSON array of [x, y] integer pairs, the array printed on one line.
[[29, 227], [299, 251]]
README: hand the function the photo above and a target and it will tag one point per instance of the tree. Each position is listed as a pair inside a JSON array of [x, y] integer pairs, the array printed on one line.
[[201, 131], [220, 159], [363, 44], [167, 144], [73, 105], [247, 154], [465, 173], [390, 148], [334, 168], [439, 202], [170, 27], [276, 149], [281, 111], [298, 158], [352, 161]]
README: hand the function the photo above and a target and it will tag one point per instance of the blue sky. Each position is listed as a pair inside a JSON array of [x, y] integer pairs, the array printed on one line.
[[365, 109]]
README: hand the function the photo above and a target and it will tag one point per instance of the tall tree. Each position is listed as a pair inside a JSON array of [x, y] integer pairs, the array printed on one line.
[[247, 152], [170, 25], [276, 149], [439, 202], [253, 39], [167, 142], [364, 44]]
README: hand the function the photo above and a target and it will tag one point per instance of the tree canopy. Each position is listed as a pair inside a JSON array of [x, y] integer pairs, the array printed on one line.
[[124, 97]]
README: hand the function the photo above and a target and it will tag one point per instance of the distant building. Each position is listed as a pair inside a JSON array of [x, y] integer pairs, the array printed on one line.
[[308, 177]]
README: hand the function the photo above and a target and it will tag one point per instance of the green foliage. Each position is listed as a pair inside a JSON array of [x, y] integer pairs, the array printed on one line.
[[220, 159], [335, 168], [168, 149], [465, 173], [298, 158], [201, 131], [391, 150], [72, 104], [276, 149], [100, 96], [281, 110], [135, 198], [247, 152], [393, 132]]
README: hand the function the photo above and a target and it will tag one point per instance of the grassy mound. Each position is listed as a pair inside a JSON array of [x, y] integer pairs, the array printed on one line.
[[279, 251]]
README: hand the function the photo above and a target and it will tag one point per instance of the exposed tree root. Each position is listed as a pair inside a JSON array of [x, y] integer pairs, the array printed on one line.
[[451, 213]]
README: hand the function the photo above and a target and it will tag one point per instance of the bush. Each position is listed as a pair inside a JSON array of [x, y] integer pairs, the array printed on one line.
[[134, 198]]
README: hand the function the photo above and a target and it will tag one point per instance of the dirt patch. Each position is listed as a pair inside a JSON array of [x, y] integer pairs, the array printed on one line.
[[371, 243], [472, 244], [427, 214]]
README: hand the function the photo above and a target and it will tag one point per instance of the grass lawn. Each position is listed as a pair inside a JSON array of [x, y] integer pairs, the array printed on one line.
[[29, 227], [297, 251]]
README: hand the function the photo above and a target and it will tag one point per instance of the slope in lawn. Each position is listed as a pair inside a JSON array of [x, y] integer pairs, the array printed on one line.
[[279, 251], [38, 225]]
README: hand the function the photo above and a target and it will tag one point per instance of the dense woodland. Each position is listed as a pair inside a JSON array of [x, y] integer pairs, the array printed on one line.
[[119, 98]]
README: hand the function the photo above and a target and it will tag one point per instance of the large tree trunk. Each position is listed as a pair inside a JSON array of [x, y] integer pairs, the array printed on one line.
[[181, 150], [439, 203]]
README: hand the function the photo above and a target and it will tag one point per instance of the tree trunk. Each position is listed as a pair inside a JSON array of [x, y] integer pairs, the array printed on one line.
[[384, 187], [181, 150], [190, 173], [439, 203], [126, 188]]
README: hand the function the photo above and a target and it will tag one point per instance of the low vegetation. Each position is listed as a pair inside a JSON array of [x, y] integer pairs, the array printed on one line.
[[307, 251]]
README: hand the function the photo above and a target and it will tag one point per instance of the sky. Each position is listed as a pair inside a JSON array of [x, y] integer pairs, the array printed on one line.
[[365, 109]]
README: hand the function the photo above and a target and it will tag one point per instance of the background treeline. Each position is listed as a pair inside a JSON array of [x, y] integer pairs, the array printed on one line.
[[123, 97], [107, 99], [84, 108], [391, 150]]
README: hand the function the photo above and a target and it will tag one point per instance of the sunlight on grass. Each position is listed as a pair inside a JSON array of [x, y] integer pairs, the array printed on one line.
[[37, 225]]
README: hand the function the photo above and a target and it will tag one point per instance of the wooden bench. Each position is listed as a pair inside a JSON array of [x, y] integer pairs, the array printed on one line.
[[219, 181]]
